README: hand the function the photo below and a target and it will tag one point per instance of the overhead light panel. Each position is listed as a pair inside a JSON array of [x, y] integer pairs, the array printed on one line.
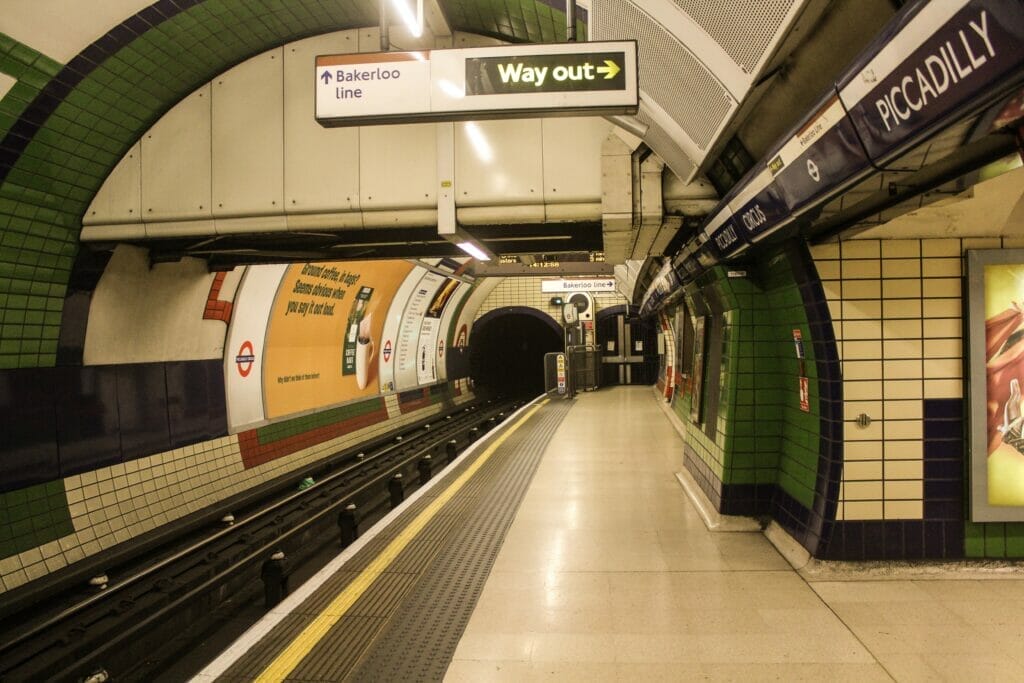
[[473, 250]]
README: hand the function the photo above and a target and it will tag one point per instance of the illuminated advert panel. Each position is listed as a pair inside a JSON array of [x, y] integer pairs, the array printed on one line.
[[996, 354], [507, 81]]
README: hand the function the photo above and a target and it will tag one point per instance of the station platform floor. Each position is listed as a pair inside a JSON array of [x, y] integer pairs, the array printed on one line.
[[562, 548]]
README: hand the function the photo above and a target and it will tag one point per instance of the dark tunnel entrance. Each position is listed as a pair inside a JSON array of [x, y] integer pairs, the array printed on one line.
[[507, 350]]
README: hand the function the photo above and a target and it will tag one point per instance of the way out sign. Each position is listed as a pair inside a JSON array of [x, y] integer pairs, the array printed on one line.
[[506, 81]]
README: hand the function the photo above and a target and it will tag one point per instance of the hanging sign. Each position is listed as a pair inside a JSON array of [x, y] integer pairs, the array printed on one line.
[[505, 81]]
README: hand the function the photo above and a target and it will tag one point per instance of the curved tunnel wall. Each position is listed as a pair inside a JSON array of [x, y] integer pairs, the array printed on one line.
[[509, 344], [882, 325], [113, 451], [750, 445]]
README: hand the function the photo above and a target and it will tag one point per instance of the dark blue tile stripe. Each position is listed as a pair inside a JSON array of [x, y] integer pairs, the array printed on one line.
[[74, 72], [819, 523]]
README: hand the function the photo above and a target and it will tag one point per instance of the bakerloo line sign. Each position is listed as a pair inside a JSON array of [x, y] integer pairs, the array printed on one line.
[[508, 81]]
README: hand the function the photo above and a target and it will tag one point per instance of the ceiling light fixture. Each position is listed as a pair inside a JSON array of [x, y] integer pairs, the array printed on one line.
[[473, 250]]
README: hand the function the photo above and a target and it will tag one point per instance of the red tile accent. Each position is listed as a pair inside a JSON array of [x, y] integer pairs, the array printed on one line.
[[255, 453], [215, 308]]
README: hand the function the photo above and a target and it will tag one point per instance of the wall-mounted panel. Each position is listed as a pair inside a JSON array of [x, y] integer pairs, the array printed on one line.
[[142, 409], [248, 137], [29, 427], [498, 163], [321, 165], [87, 419], [401, 173], [196, 408], [176, 162], [571, 150], [120, 198], [144, 314]]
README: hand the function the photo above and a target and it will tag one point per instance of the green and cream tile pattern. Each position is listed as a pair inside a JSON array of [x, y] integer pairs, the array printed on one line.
[[760, 435], [114, 504]]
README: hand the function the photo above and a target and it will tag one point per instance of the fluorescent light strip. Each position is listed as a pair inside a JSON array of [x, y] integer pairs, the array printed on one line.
[[473, 250]]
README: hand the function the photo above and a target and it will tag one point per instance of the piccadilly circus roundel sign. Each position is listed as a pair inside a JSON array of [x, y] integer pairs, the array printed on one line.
[[245, 358]]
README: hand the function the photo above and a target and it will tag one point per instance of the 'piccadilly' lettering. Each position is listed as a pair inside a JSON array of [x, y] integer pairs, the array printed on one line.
[[726, 237], [954, 61]]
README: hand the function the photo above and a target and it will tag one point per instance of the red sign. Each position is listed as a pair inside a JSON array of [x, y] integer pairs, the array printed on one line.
[[245, 358], [387, 350], [805, 395]]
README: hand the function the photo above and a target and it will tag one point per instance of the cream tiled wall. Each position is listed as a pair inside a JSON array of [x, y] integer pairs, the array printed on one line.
[[526, 291], [118, 503], [897, 310]]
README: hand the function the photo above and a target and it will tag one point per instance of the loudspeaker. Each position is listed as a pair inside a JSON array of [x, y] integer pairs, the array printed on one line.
[[584, 303]]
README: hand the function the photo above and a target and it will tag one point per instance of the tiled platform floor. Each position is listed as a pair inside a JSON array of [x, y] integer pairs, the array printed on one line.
[[608, 573]]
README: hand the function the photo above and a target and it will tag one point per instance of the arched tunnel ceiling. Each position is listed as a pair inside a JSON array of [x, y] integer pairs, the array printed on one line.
[[84, 80], [80, 82]]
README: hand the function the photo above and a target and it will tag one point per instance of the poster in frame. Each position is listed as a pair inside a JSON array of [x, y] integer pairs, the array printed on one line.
[[697, 391], [995, 336]]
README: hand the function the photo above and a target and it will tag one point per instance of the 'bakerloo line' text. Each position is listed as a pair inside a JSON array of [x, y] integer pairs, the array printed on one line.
[[954, 61]]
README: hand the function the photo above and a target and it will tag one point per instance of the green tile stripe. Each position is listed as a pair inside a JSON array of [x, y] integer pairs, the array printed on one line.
[[512, 20], [761, 435], [55, 178], [300, 425], [32, 517], [994, 540], [31, 69]]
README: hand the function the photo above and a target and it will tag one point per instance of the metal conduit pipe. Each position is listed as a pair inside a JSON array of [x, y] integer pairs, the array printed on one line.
[[570, 21], [385, 36]]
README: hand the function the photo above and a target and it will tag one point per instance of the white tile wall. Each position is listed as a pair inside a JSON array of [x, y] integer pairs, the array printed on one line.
[[897, 315], [526, 291]]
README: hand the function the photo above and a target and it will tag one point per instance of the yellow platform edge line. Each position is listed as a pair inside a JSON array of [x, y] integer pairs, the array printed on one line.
[[303, 644]]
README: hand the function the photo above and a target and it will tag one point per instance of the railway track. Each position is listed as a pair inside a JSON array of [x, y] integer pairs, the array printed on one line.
[[156, 604]]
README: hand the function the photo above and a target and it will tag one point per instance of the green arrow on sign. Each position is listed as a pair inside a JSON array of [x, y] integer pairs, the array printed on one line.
[[609, 70]]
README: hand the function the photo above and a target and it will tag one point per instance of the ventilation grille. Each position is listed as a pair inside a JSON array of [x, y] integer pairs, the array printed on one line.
[[669, 73], [666, 148], [744, 28]]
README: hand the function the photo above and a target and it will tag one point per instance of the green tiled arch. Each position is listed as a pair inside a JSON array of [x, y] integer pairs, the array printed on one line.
[[62, 134]]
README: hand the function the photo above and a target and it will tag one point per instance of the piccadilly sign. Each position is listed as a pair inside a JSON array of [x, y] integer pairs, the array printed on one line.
[[507, 81]]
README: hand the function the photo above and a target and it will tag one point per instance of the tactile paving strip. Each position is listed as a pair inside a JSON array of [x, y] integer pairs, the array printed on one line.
[[414, 614], [419, 640]]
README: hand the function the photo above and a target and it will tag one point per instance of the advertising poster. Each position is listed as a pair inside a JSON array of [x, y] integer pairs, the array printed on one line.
[[697, 396], [996, 282], [410, 354], [393, 330], [324, 333], [431, 345]]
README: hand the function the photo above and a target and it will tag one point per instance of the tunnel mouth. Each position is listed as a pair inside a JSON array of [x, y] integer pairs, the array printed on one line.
[[507, 350]]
